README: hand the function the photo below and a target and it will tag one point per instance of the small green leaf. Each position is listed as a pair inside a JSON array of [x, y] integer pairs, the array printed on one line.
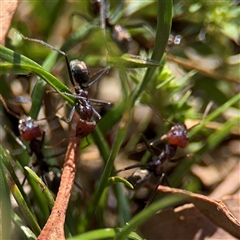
[[116, 179], [133, 61]]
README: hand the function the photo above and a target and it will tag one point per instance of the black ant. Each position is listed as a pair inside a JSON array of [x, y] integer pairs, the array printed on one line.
[[176, 137], [30, 131], [79, 76]]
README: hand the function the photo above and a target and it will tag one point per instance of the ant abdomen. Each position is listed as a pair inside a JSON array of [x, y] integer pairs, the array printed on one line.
[[80, 71], [139, 178]]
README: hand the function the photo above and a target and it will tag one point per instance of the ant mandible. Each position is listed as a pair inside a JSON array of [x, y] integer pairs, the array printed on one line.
[[79, 76], [176, 137]]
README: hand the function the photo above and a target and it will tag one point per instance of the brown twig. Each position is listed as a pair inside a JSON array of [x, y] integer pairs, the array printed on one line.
[[54, 228]]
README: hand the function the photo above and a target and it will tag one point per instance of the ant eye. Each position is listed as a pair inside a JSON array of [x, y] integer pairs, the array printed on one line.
[[80, 71]]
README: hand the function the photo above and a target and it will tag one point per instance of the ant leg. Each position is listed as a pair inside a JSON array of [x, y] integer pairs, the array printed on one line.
[[149, 146], [97, 114], [75, 96], [155, 189], [54, 49], [43, 137], [88, 143], [69, 119], [93, 100], [137, 165], [97, 102], [100, 74], [78, 186], [17, 139], [7, 109], [24, 180]]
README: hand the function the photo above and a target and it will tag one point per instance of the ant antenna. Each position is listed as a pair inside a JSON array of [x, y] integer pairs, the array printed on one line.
[[17, 139], [7, 109], [205, 113], [54, 49]]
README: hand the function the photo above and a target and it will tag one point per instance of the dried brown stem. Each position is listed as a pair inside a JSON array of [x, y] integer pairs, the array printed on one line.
[[54, 228]]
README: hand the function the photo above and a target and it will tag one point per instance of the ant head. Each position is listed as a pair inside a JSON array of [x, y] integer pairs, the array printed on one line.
[[28, 128], [80, 72], [178, 135]]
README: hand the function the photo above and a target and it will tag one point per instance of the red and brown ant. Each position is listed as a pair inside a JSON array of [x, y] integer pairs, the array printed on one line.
[[31, 132], [176, 137], [79, 76]]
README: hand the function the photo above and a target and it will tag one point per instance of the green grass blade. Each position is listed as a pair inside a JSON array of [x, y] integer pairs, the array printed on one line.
[[20, 62], [25, 230], [5, 204], [162, 35], [117, 179], [103, 234], [31, 220], [164, 23], [39, 88], [45, 190], [215, 114]]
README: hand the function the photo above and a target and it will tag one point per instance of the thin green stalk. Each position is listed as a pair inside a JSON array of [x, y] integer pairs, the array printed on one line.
[[164, 23], [30, 218], [215, 114], [108, 168]]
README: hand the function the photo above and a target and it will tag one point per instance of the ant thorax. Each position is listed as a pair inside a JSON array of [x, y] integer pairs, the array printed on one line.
[[83, 105], [158, 162], [28, 128], [86, 110]]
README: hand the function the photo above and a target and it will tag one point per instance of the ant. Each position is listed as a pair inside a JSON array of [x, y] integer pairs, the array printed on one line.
[[119, 34], [79, 76], [30, 131], [176, 137]]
